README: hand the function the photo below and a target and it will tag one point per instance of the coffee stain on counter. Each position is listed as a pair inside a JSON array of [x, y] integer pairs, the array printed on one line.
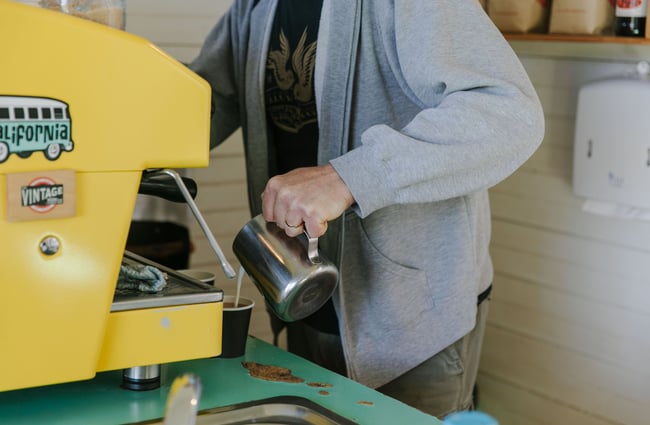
[[271, 373], [319, 384], [282, 374]]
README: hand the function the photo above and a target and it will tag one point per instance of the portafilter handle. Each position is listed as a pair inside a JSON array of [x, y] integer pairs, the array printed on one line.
[[225, 265]]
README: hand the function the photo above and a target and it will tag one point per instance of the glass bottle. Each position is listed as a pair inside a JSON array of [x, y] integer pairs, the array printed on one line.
[[107, 12], [631, 17]]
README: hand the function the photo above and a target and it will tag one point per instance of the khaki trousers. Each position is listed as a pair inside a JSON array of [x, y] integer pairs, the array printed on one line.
[[439, 386]]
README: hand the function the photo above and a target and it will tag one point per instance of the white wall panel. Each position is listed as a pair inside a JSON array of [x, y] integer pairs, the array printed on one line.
[[196, 8], [172, 30], [591, 285], [573, 379], [567, 339], [514, 404]]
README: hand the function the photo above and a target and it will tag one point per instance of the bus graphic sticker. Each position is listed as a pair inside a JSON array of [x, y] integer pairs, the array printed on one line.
[[29, 124]]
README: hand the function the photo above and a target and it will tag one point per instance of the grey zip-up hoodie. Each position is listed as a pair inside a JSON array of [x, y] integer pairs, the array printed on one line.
[[422, 107]]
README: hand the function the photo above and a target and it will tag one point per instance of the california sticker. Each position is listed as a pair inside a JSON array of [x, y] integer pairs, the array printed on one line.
[[34, 124], [40, 195]]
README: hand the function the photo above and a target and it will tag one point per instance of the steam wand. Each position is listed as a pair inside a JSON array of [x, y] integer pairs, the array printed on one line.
[[225, 265]]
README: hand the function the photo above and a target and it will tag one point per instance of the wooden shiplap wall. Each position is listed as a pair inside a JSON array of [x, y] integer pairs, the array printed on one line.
[[568, 339]]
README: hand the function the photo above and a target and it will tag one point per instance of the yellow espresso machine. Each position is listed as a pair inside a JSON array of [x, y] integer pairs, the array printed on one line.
[[84, 110]]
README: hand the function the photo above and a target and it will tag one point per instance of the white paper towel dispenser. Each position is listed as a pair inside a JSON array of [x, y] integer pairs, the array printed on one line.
[[611, 160]]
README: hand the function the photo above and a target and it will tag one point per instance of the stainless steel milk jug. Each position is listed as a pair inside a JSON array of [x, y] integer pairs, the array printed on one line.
[[293, 277]]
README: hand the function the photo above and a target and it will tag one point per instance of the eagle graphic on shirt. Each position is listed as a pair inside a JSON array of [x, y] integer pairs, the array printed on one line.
[[293, 72]]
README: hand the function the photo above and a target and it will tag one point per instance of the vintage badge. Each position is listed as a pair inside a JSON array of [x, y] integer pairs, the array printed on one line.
[[40, 195]]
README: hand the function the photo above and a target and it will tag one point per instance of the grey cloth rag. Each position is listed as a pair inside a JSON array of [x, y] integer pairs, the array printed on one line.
[[142, 277]]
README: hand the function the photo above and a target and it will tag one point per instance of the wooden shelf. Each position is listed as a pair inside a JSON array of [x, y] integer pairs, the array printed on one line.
[[596, 47], [578, 38]]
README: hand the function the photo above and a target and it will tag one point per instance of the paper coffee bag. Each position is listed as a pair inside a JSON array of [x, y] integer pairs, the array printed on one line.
[[519, 16], [582, 17]]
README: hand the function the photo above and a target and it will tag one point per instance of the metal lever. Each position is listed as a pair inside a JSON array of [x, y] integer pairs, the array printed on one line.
[[165, 187], [225, 265]]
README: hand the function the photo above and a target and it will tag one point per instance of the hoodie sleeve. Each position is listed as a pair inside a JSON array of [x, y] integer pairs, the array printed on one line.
[[480, 117], [220, 64]]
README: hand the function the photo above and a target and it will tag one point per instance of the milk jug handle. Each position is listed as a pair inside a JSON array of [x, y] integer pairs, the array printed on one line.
[[312, 249]]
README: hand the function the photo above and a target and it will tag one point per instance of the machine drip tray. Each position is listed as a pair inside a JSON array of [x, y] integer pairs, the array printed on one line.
[[180, 290]]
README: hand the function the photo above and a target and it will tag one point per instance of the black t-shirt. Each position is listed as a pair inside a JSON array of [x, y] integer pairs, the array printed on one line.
[[289, 84], [291, 105]]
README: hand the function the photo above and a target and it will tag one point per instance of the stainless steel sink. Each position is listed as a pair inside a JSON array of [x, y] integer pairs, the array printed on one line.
[[284, 410]]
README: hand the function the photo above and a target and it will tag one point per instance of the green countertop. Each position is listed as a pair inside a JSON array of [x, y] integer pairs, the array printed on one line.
[[225, 382]]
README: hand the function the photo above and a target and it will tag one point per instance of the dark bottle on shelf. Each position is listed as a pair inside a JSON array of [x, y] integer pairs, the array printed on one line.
[[631, 17]]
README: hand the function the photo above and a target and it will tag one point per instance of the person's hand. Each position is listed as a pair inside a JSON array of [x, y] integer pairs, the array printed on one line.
[[305, 199]]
